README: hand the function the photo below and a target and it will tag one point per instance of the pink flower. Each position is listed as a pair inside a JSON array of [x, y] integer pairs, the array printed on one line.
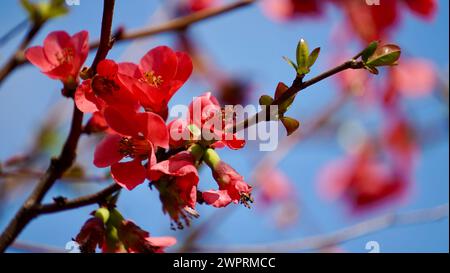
[[137, 240], [282, 10], [190, 6], [377, 21], [414, 77], [137, 135], [62, 55], [361, 180], [104, 89], [91, 235], [206, 114], [176, 180], [160, 73], [274, 186], [398, 136], [232, 187]]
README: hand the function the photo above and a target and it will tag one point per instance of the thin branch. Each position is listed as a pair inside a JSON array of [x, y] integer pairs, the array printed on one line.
[[78, 202], [179, 23], [61, 164], [297, 86], [342, 235], [17, 58]]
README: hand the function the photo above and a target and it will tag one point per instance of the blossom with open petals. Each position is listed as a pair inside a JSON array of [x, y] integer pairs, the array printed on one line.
[[176, 180], [61, 56], [137, 240], [159, 75], [137, 135], [206, 114], [104, 89]]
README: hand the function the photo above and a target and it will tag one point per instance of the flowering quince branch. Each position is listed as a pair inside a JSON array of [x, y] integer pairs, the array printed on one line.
[[173, 25], [129, 102], [65, 58]]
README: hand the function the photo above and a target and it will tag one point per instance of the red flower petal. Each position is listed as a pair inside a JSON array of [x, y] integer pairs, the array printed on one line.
[[217, 198], [37, 57], [107, 151], [162, 241], [55, 43], [85, 99], [184, 68], [162, 61], [425, 8], [154, 129], [128, 174], [123, 121], [107, 68], [80, 43]]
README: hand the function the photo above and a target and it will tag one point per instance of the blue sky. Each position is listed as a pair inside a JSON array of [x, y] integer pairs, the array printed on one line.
[[242, 43]]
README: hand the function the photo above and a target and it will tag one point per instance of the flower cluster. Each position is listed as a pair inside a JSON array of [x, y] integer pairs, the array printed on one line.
[[109, 231], [129, 104], [368, 22]]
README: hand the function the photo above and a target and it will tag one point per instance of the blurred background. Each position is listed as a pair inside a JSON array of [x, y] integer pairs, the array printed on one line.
[[388, 132]]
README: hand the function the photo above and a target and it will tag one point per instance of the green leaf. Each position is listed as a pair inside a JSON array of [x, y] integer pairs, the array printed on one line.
[[290, 62], [302, 57], [386, 55], [265, 100], [44, 10], [313, 57], [290, 124], [368, 52], [195, 131]]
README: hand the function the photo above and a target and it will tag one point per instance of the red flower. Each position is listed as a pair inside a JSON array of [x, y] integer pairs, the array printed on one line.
[[160, 73], [136, 240], [189, 6], [91, 235], [177, 179], [290, 9], [361, 180], [62, 55], [104, 89], [137, 136], [178, 133], [96, 123], [413, 78], [401, 143], [232, 187], [376, 21], [205, 113], [274, 186]]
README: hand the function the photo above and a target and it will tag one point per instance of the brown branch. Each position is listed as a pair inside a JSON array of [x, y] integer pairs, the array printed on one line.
[[173, 25], [179, 23], [58, 165], [17, 58], [342, 235], [78, 202]]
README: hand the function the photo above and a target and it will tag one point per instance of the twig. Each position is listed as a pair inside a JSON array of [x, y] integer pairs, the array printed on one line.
[[59, 165], [17, 58], [173, 25], [179, 23], [297, 86], [341, 235], [79, 202]]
